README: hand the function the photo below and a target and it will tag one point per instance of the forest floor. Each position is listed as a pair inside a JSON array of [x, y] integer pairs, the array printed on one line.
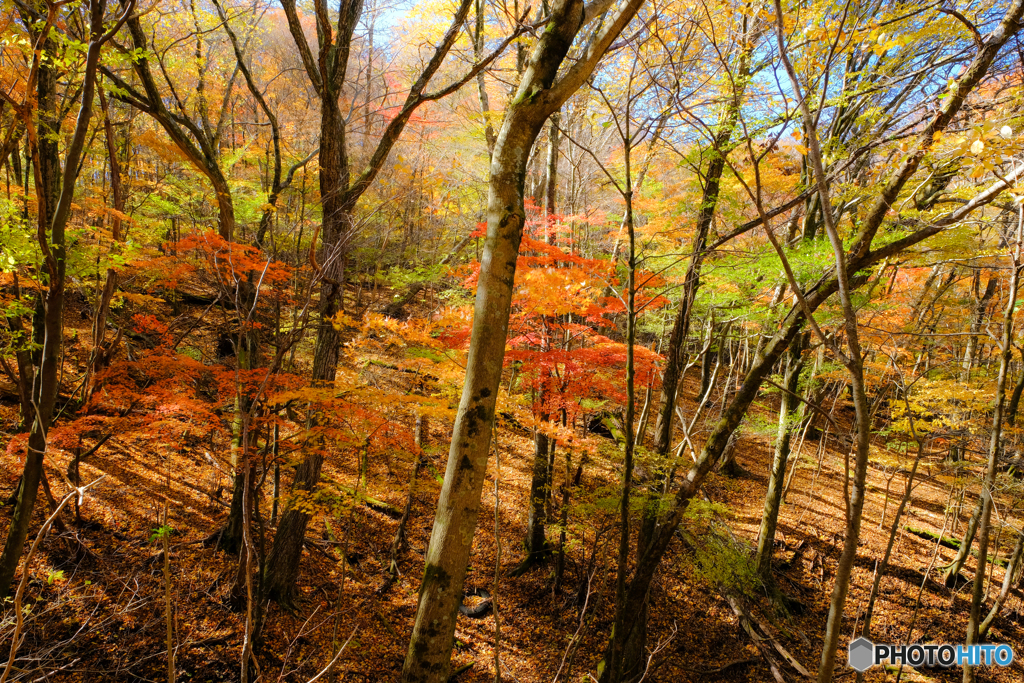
[[97, 590]]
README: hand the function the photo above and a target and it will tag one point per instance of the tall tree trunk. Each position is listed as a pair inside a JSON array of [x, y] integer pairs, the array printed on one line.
[[100, 355], [977, 318], [1004, 591], [339, 194], [481, 83], [621, 661], [956, 566], [539, 95], [232, 536], [283, 561], [540, 484], [882, 566], [551, 184], [994, 445], [55, 188], [853, 360], [1018, 389], [282, 564], [787, 425], [675, 352]]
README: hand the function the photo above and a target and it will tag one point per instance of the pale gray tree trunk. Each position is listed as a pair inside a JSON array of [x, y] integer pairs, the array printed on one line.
[[539, 95], [787, 425], [994, 447]]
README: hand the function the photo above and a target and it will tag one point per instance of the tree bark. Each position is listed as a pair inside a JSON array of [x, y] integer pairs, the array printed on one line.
[[283, 561], [787, 425], [977, 318], [339, 194], [675, 352], [55, 189], [1004, 591], [539, 95], [994, 446]]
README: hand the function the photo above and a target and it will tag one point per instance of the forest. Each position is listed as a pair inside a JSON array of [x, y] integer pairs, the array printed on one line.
[[477, 340]]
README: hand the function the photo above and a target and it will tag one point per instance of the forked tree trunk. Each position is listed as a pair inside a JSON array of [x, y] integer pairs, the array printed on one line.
[[339, 194], [282, 565], [539, 95], [675, 352]]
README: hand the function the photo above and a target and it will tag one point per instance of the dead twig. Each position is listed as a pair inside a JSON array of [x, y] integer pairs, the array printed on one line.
[[16, 638]]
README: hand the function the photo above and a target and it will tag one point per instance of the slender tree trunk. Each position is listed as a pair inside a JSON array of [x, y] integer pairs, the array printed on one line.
[[881, 568], [1018, 389], [1004, 591], [551, 184], [977, 318], [619, 661], [540, 483], [539, 95], [854, 363], [773, 498], [570, 483], [231, 537], [994, 446], [399, 543], [675, 352], [957, 565], [54, 192], [99, 357], [277, 474], [481, 83]]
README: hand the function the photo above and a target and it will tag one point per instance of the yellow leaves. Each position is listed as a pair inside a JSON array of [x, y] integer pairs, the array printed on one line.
[[938, 404], [342, 320], [986, 146]]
